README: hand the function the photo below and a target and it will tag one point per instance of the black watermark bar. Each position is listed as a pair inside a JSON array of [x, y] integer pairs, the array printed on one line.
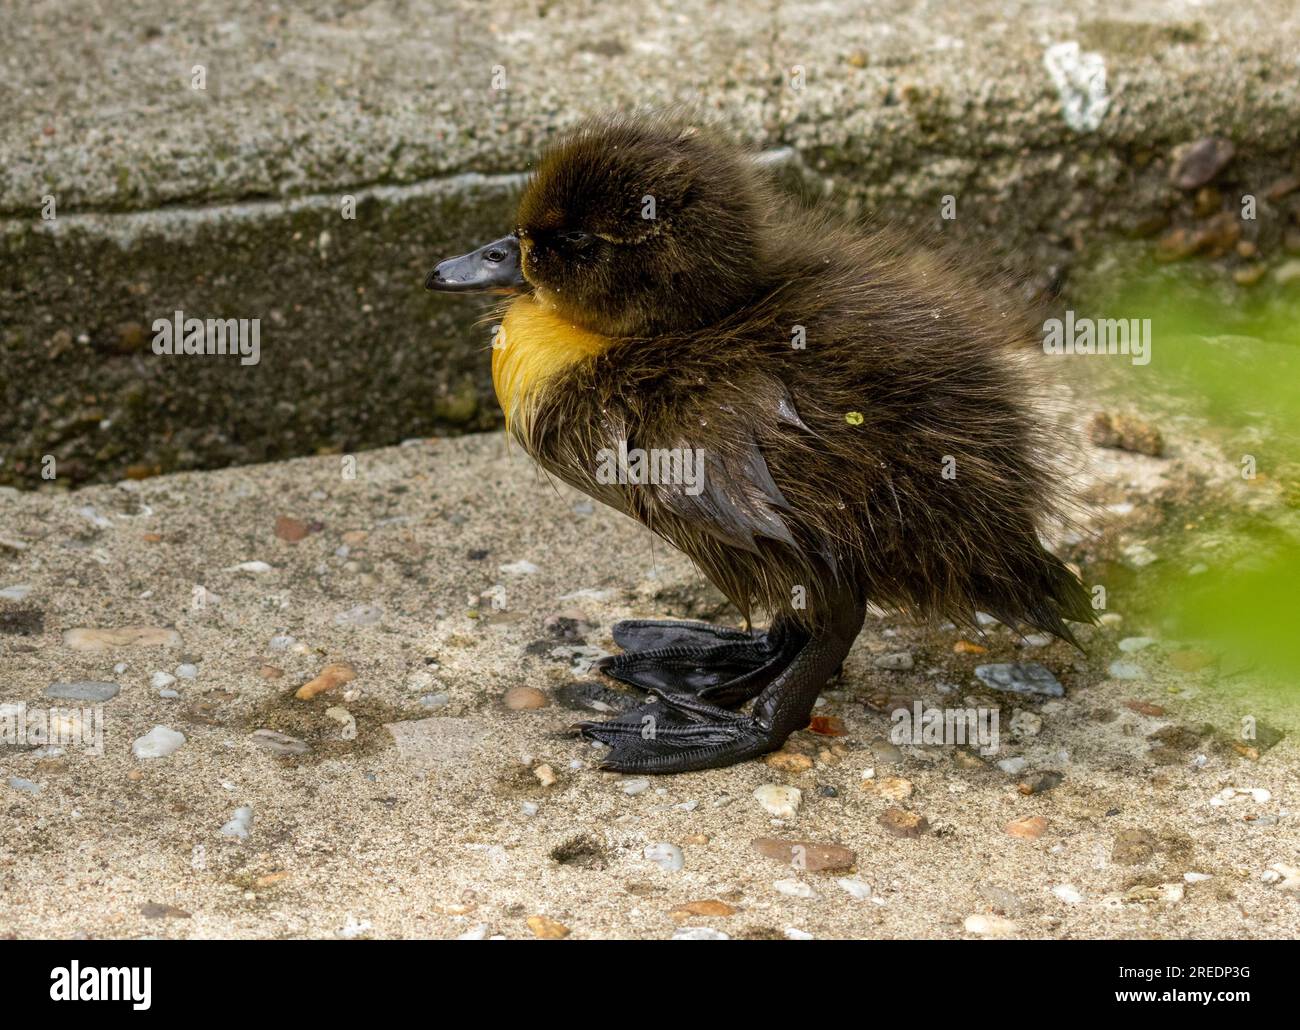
[[142, 979]]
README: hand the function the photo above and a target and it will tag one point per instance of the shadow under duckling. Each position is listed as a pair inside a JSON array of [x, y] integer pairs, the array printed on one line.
[[818, 415]]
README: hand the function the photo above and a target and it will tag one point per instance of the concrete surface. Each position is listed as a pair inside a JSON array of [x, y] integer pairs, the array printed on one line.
[[413, 571], [226, 201]]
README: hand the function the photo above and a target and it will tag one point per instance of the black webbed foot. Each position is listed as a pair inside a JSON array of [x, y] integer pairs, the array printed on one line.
[[722, 666], [652, 634], [677, 733], [688, 727]]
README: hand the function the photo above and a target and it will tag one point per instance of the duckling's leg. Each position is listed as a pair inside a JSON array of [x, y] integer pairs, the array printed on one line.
[[723, 666], [682, 733]]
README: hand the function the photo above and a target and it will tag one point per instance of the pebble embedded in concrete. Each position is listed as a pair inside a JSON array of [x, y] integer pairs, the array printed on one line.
[[667, 857], [159, 742], [92, 691], [699, 933], [782, 802], [240, 824], [1068, 893], [990, 926], [1131, 645]]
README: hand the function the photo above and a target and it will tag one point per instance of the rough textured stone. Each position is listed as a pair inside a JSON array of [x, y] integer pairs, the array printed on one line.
[[903, 824], [806, 854], [94, 691], [1020, 678]]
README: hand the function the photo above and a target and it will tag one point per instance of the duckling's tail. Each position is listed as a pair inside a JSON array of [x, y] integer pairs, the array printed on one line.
[[1041, 592]]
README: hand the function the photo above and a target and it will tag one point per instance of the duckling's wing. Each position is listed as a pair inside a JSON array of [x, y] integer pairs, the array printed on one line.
[[735, 499]]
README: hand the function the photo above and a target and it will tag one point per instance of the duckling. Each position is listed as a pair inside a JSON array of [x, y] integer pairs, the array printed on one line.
[[855, 408]]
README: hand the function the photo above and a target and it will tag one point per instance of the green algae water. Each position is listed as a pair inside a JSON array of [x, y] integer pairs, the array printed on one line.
[[1223, 370]]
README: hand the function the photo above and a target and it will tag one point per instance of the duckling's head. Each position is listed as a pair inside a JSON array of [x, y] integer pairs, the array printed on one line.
[[632, 227]]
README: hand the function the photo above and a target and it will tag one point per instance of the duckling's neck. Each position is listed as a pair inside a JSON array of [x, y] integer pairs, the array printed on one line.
[[534, 345]]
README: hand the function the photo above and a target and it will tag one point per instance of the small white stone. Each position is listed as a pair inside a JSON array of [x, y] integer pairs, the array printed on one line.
[[240, 825], [1257, 794], [794, 934], [636, 786], [1289, 876], [1140, 556], [794, 889], [667, 857], [529, 809], [353, 927], [1172, 893], [88, 512], [699, 933], [187, 671], [161, 680], [857, 889], [475, 933], [782, 802], [1132, 645], [1012, 766], [989, 926], [1068, 893], [519, 568], [1197, 877], [157, 743], [1122, 670]]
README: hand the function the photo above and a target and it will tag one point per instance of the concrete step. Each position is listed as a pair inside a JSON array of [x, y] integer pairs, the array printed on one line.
[[227, 201]]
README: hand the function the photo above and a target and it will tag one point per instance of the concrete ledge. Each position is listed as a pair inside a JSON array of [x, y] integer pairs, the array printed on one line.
[[354, 352]]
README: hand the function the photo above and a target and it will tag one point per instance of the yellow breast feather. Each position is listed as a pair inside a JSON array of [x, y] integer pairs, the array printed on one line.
[[533, 345]]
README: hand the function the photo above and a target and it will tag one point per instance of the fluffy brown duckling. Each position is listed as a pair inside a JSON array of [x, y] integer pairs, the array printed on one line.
[[820, 416]]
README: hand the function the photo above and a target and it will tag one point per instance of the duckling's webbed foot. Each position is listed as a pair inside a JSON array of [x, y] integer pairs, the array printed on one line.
[[717, 664], [684, 732]]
